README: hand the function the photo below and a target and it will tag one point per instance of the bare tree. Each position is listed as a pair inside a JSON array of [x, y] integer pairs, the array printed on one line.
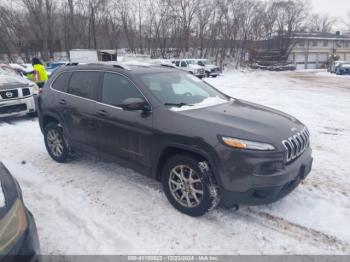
[[321, 23]]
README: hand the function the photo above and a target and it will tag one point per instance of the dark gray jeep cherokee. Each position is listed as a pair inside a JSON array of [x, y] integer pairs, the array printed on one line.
[[204, 146]]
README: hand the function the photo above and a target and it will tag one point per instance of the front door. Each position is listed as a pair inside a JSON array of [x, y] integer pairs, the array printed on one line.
[[126, 135]]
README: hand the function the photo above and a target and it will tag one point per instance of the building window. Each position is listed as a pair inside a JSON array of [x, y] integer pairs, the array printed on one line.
[[314, 43], [339, 44], [325, 43], [302, 43]]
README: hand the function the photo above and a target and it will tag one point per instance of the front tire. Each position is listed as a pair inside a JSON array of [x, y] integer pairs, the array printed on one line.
[[185, 186], [33, 114], [55, 142]]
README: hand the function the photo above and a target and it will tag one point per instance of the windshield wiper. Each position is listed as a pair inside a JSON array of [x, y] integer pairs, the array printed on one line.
[[177, 104]]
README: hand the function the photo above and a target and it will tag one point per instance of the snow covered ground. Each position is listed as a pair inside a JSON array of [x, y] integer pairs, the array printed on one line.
[[93, 207]]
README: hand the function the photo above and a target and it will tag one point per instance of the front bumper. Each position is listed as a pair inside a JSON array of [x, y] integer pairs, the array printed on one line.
[[213, 73], [199, 75], [243, 182], [27, 248], [17, 106]]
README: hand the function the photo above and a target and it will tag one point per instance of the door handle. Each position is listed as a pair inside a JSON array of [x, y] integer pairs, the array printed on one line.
[[62, 102], [102, 112]]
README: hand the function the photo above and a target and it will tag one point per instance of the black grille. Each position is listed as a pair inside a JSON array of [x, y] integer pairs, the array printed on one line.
[[25, 91], [296, 145], [201, 71], [9, 94], [13, 109]]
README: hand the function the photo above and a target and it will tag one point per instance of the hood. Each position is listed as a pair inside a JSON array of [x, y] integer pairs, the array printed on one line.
[[195, 66], [210, 66], [11, 82], [245, 120]]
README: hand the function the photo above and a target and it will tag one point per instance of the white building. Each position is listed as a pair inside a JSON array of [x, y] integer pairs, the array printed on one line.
[[312, 50]]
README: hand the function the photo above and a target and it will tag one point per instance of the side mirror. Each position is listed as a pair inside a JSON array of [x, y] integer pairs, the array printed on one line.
[[135, 104]]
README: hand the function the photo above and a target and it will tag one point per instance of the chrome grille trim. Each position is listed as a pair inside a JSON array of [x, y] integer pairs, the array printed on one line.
[[296, 145]]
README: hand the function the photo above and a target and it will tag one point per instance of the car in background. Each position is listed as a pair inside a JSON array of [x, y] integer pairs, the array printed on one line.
[[17, 95], [191, 66], [334, 66], [52, 67], [26, 70], [211, 70], [7, 69], [343, 69], [18, 232]]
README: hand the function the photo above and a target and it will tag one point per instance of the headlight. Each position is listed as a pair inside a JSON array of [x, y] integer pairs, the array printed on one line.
[[34, 88], [245, 144], [12, 226]]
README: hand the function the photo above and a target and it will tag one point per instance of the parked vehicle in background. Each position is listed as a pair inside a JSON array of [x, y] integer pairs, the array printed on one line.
[[191, 66], [7, 69], [25, 69], [83, 55], [335, 65], [205, 147], [343, 69], [17, 95], [53, 66], [211, 70], [18, 232]]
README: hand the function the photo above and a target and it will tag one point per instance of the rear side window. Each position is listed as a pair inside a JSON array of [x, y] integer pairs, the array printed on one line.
[[117, 88], [84, 84], [61, 82]]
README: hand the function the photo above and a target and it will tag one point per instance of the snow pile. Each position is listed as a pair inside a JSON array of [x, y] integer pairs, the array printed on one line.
[[210, 101]]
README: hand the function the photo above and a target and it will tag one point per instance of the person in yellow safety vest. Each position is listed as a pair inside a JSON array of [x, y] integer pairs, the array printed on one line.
[[39, 72]]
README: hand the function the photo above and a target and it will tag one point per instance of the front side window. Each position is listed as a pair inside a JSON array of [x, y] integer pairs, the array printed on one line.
[[183, 64], [174, 88], [60, 83], [84, 84], [117, 88]]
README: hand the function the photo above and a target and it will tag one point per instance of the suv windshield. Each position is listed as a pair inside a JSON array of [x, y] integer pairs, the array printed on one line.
[[8, 71], [204, 62], [191, 62], [179, 89]]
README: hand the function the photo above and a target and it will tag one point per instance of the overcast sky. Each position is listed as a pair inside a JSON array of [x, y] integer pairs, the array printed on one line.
[[332, 7]]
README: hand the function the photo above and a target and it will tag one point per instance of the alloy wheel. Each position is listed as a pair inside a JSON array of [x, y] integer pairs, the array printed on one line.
[[186, 186], [55, 142]]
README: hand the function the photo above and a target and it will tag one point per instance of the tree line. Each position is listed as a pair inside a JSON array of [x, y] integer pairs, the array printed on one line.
[[204, 28]]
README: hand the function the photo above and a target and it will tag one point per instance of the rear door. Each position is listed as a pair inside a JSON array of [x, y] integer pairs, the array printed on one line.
[[79, 107], [126, 135]]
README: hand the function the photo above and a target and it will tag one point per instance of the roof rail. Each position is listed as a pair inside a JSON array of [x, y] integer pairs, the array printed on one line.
[[111, 63]]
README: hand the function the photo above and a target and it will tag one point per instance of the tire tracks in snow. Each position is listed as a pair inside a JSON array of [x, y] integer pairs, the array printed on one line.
[[297, 231]]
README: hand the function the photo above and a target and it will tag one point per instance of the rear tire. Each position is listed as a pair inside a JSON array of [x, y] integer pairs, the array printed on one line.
[[185, 187], [55, 142]]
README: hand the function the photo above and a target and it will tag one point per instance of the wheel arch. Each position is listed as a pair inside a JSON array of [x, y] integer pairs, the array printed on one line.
[[172, 150], [45, 119]]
